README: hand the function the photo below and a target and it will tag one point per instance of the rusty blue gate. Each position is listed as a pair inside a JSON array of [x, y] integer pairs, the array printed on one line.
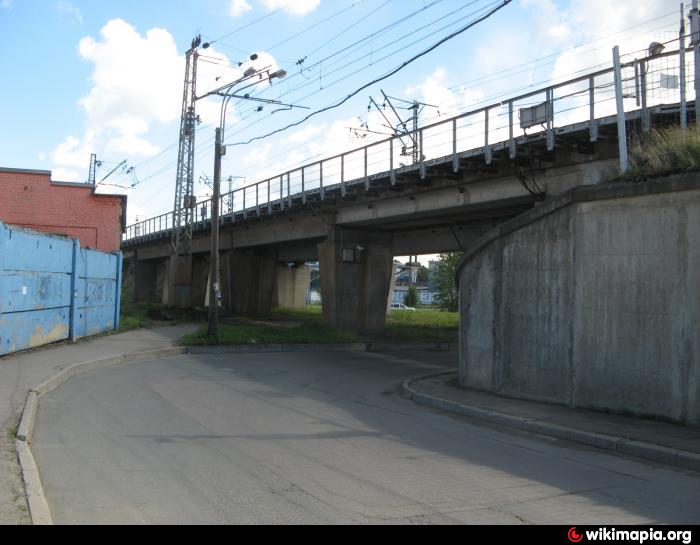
[[51, 289]]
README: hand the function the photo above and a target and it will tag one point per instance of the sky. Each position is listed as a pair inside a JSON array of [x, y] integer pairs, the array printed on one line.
[[83, 77]]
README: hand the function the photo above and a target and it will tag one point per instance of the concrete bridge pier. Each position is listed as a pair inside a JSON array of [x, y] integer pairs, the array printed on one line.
[[248, 282], [356, 268], [178, 289], [149, 280], [292, 285]]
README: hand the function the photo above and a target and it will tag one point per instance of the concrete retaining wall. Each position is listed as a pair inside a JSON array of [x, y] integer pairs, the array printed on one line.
[[591, 300]]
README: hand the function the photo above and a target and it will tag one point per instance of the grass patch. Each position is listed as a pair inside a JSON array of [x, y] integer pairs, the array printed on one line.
[[308, 332], [421, 326], [11, 432], [306, 326], [133, 315], [666, 151]]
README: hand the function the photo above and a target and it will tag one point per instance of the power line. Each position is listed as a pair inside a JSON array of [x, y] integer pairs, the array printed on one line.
[[247, 25], [451, 88], [397, 51], [362, 40], [311, 27], [387, 75]]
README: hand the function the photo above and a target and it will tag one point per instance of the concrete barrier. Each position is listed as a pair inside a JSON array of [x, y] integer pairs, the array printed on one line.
[[591, 300]]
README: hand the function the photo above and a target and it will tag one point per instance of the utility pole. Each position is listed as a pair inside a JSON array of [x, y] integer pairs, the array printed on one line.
[[219, 151]]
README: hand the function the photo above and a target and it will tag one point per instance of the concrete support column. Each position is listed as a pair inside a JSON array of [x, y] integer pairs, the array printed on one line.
[[292, 286], [146, 287], [356, 269], [179, 291], [251, 276]]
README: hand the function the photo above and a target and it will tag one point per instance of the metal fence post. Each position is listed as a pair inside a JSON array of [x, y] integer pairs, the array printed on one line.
[[320, 174], [366, 171], [281, 192], [74, 293], [257, 199], [592, 123], [646, 118], [392, 176], [549, 109], [303, 188], [455, 158], [343, 189], [511, 130], [269, 197], [422, 155], [487, 148], [2, 266], [621, 128], [118, 291]]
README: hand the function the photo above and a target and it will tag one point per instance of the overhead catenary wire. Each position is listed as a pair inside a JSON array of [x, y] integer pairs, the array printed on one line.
[[437, 44], [346, 76]]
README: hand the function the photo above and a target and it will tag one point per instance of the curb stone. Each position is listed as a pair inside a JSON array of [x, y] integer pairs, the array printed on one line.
[[38, 506], [345, 347], [640, 449]]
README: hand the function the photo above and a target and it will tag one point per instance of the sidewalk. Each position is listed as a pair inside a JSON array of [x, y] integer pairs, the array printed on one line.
[[668, 443], [21, 372]]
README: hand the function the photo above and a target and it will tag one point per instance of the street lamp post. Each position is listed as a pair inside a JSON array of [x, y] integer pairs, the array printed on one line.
[[219, 152]]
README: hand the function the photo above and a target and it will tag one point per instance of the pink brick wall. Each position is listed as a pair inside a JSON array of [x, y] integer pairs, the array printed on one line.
[[29, 199]]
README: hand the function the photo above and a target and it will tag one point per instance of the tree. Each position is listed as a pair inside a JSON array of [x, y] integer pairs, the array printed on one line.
[[447, 296], [422, 275], [411, 299]]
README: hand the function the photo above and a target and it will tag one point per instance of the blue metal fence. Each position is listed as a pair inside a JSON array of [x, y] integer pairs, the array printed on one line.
[[52, 290]]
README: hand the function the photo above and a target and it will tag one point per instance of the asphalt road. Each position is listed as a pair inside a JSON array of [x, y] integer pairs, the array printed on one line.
[[318, 438]]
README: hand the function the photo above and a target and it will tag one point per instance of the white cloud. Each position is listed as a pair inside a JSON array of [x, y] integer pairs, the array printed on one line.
[[239, 8], [6, 4], [66, 175], [71, 10], [137, 82], [300, 7], [434, 90]]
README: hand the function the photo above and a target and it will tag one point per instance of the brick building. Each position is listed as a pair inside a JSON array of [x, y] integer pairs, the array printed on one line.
[[29, 198]]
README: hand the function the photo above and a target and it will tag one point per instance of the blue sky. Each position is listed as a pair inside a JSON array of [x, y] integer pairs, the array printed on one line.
[[106, 77]]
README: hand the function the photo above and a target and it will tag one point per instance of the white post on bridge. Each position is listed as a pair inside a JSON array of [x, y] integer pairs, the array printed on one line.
[[695, 42], [621, 127]]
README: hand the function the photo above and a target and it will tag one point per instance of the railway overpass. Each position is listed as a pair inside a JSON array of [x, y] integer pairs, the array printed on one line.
[[354, 212]]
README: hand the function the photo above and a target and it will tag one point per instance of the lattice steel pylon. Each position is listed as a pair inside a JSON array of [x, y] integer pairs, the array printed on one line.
[[184, 183]]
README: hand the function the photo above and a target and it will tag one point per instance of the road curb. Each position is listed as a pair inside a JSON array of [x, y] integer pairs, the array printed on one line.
[[657, 453], [292, 348], [38, 506]]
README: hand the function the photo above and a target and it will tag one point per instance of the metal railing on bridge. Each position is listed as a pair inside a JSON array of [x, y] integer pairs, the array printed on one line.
[[649, 83]]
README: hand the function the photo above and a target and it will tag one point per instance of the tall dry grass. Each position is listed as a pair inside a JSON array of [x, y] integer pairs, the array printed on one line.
[[665, 151]]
